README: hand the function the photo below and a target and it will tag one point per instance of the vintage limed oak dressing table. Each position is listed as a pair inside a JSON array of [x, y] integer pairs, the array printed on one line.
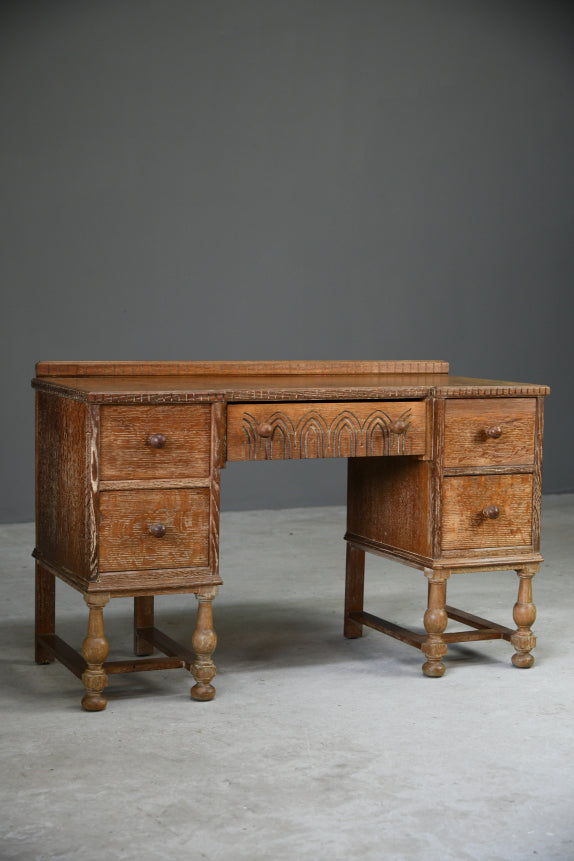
[[444, 475]]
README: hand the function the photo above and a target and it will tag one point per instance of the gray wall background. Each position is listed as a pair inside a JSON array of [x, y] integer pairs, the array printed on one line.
[[251, 179]]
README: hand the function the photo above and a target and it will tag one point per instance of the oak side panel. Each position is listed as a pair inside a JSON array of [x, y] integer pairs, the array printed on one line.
[[389, 502], [93, 487], [126, 517], [537, 475], [463, 522], [218, 435], [437, 473], [126, 452], [466, 440], [65, 528]]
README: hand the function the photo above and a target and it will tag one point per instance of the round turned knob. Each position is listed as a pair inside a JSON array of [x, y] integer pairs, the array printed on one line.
[[157, 530], [494, 432], [398, 426], [491, 512], [265, 429], [157, 440]]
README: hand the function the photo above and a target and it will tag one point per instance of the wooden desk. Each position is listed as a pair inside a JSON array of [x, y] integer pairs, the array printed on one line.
[[444, 475]]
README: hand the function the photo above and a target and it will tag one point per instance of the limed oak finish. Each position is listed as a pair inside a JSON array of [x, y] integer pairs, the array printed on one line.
[[444, 475]]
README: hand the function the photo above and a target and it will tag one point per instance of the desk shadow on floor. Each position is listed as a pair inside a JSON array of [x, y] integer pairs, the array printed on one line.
[[252, 637]]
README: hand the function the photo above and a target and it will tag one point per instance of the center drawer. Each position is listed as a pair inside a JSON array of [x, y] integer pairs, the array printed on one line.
[[353, 429]]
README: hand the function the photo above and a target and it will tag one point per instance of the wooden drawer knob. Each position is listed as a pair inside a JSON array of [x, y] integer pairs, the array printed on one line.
[[398, 426], [157, 530], [494, 432], [157, 440], [491, 512], [265, 429]]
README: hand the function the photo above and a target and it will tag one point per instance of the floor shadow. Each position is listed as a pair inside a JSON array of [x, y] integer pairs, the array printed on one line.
[[251, 635]]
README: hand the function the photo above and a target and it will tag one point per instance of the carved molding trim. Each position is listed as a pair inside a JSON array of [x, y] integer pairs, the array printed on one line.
[[311, 437]]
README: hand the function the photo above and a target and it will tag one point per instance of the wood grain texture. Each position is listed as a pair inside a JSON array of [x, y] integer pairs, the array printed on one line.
[[437, 475], [466, 439], [354, 590], [456, 561], [218, 428], [537, 474], [435, 622], [148, 483], [488, 470], [143, 618], [489, 559], [142, 389], [125, 451], [81, 584], [204, 641], [413, 560], [45, 612], [64, 501], [142, 665], [186, 389], [176, 655], [477, 622], [93, 488], [389, 503], [465, 497], [465, 526], [389, 628], [59, 650], [461, 387], [324, 430], [95, 651], [116, 369], [155, 581], [524, 614], [125, 518]]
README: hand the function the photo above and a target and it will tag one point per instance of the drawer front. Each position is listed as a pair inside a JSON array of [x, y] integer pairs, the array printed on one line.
[[355, 429], [155, 442], [468, 501], [127, 516], [489, 432]]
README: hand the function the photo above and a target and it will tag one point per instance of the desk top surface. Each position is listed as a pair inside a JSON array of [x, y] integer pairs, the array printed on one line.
[[184, 382]]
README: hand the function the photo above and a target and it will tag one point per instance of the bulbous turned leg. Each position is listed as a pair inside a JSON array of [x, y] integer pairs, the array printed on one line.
[[95, 652], [204, 641], [435, 620], [524, 614]]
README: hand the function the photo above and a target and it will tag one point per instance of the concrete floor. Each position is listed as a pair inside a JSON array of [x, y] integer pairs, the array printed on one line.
[[315, 747]]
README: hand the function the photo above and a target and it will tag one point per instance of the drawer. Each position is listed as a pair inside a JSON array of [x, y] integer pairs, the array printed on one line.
[[465, 522], [126, 516], [492, 432], [355, 429], [181, 435]]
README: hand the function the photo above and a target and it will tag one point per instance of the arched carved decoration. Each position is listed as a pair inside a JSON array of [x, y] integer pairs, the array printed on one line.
[[345, 434], [345, 426], [250, 431], [283, 436], [377, 433], [312, 426]]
